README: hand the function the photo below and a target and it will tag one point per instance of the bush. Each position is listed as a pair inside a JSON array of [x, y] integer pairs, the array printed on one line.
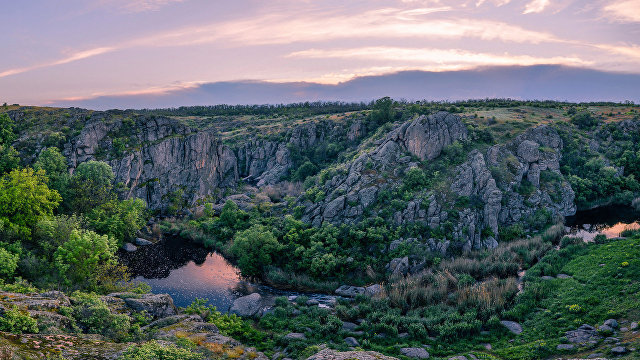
[[17, 321], [8, 264], [95, 317], [25, 198], [91, 186], [585, 120], [255, 249], [119, 219], [154, 351], [79, 258]]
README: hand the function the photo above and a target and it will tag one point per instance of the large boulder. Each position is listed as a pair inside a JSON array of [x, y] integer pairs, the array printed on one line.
[[247, 306], [512, 326], [156, 305], [350, 291], [328, 354], [583, 334], [415, 352]]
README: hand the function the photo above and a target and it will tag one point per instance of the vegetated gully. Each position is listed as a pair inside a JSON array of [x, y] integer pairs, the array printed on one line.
[[188, 271]]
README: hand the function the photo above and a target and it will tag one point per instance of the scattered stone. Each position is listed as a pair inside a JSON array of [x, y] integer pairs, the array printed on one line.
[[611, 340], [546, 277], [156, 305], [403, 335], [633, 326], [350, 291], [313, 302], [143, 242], [415, 352], [513, 326], [351, 341], [129, 247], [563, 276], [349, 326], [565, 347], [595, 356], [619, 350], [328, 354], [612, 323], [398, 266], [459, 357], [295, 336], [624, 329], [247, 306], [487, 346], [583, 334], [605, 329]]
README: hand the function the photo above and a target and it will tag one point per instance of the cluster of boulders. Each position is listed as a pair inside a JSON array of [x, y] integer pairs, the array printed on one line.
[[606, 333]]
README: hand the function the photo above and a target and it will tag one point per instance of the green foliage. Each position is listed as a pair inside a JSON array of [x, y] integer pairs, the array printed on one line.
[[91, 186], [54, 165], [585, 120], [53, 231], [25, 199], [9, 159], [118, 219], [383, 111], [8, 264], [154, 351], [79, 258], [255, 249], [304, 171], [511, 232], [95, 317], [7, 126], [18, 321]]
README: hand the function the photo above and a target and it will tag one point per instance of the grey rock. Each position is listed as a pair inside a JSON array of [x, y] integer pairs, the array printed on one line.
[[565, 347], [613, 323], [295, 336], [247, 306], [633, 326], [513, 326], [143, 242], [605, 329], [415, 352], [546, 277], [351, 342], [563, 276], [403, 335], [459, 357], [399, 266], [156, 305], [349, 326], [129, 247], [619, 350], [529, 151], [426, 136], [595, 356], [582, 335], [350, 291], [312, 302]]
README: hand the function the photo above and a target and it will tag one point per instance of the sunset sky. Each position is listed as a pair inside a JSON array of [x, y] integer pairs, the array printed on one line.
[[79, 49]]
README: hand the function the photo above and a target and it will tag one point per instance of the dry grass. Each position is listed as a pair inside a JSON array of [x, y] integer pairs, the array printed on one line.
[[488, 296]]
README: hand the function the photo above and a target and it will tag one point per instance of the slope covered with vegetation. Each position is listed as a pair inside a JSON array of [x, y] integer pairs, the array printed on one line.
[[314, 196]]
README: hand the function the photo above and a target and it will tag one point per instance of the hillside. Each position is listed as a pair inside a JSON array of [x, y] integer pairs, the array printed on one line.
[[422, 216]]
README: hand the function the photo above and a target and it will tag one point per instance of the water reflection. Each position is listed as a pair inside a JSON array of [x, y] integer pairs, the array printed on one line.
[[609, 221]]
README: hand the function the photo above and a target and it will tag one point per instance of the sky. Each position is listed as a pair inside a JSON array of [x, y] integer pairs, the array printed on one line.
[[74, 50]]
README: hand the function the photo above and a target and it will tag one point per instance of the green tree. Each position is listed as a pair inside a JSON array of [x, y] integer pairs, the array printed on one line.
[[383, 111], [7, 134], [155, 351], [118, 219], [54, 165], [9, 159], [25, 199], [254, 248], [8, 263], [91, 186], [79, 258]]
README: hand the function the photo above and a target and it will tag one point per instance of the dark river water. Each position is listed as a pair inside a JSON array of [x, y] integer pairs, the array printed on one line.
[[188, 271], [609, 221]]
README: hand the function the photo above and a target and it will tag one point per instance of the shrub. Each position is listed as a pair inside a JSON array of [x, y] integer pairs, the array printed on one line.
[[25, 198], [78, 259], [17, 321], [255, 249], [585, 120], [119, 219], [95, 317], [90, 186], [154, 351], [8, 263]]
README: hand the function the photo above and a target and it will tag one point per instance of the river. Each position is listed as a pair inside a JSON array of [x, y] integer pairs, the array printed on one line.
[[187, 271]]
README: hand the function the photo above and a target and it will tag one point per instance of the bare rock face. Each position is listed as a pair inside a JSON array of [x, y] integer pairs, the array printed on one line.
[[156, 305], [426, 136], [248, 306], [355, 189]]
